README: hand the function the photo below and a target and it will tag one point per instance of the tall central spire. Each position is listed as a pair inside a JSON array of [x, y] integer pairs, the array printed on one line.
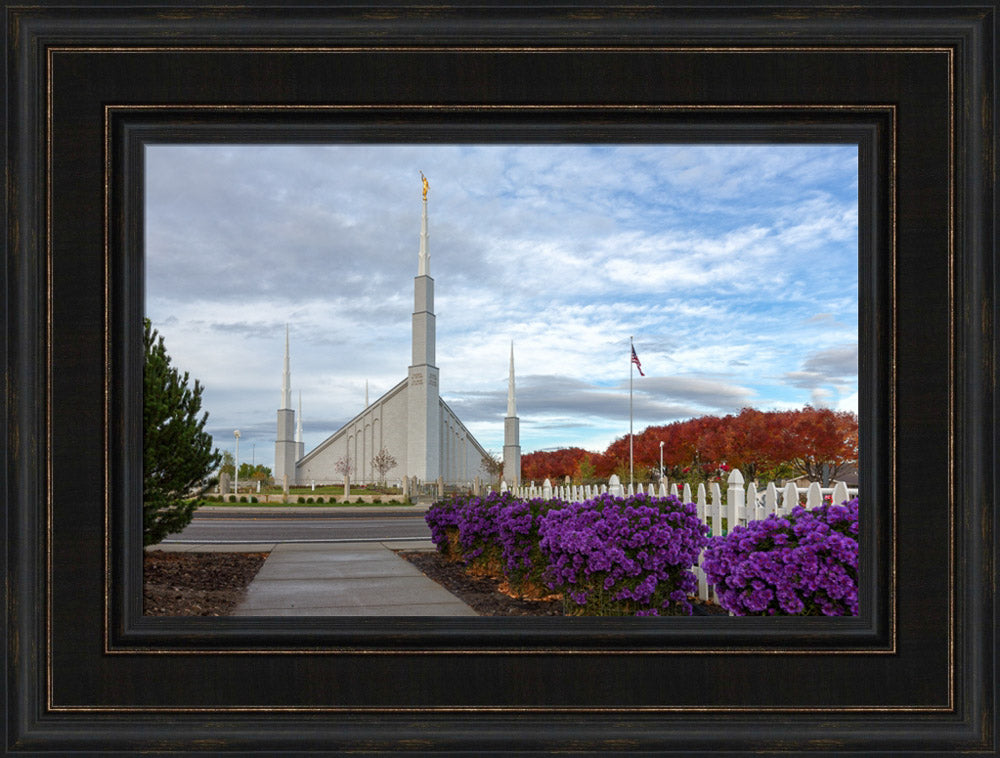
[[424, 267], [423, 435], [286, 379]]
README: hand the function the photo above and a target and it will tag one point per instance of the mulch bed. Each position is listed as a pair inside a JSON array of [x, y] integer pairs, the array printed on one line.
[[481, 593], [484, 594], [196, 584]]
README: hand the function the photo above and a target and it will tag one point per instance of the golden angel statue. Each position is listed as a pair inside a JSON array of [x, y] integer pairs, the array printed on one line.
[[426, 183]]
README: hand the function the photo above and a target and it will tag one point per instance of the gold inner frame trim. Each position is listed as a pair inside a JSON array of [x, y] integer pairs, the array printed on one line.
[[112, 109]]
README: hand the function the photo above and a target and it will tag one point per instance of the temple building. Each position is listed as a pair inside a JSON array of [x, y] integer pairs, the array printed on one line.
[[410, 421]]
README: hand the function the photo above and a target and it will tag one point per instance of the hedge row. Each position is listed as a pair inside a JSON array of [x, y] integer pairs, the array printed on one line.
[[612, 556], [608, 556]]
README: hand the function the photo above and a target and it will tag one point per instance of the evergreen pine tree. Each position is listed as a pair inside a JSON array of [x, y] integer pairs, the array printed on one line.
[[177, 452]]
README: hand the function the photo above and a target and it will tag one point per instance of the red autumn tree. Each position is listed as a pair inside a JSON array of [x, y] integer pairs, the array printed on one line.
[[818, 437], [771, 443], [552, 464], [752, 441]]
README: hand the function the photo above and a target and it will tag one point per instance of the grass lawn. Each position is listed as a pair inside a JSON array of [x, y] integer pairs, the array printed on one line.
[[333, 489]]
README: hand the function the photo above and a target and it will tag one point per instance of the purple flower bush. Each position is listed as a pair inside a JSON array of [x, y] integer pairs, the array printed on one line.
[[614, 556], [442, 518], [498, 532], [803, 564], [465, 527], [517, 532]]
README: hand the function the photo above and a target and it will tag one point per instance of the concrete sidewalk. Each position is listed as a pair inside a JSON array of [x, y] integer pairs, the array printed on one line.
[[345, 579]]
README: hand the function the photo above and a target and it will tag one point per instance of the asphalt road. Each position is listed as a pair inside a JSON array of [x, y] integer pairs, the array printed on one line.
[[340, 527]]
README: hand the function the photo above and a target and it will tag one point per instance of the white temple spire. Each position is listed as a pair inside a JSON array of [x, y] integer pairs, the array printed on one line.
[[285, 446], [424, 259], [286, 379], [298, 421], [511, 404], [511, 433], [424, 436]]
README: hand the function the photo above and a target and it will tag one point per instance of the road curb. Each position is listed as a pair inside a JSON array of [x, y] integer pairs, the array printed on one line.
[[316, 510]]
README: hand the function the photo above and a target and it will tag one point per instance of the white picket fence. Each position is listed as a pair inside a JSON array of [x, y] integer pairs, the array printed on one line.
[[742, 503]]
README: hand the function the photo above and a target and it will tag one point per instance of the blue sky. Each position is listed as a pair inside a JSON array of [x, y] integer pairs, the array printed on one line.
[[733, 266]]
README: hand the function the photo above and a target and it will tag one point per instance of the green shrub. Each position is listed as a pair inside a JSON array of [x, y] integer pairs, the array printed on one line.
[[309, 500], [253, 499], [319, 500], [243, 498], [333, 500], [301, 499]]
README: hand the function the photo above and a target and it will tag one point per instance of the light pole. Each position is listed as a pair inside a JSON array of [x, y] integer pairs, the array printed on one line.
[[236, 462], [661, 460]]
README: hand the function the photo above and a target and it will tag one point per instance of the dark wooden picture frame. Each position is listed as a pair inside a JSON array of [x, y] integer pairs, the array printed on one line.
[[88, 86]]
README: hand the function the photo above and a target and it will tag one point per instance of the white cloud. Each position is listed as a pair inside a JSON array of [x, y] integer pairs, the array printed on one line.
[[734, 267]]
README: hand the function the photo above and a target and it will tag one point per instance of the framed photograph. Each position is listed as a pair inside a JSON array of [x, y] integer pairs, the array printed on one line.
[[97, 94]]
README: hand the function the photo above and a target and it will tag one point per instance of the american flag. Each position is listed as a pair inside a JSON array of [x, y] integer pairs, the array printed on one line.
[[635, 360]]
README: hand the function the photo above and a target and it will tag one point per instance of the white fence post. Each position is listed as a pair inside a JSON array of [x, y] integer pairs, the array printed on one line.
[[814, 498], [839, 493], [789, 498], [735, 499], [546, 490], [755, 509], [716, 493], [701, 503], [770, 499]]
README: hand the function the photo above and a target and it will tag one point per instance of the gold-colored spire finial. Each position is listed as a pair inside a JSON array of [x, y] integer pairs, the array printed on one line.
[[426, 183]]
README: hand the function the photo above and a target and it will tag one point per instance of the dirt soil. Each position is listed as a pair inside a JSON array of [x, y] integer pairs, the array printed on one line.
[[481, 593], [196, 584]]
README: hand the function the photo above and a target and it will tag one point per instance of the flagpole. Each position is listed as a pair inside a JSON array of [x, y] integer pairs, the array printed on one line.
[[631, 349]]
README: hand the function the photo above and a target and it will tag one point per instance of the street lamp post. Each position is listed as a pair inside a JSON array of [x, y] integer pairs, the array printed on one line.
[[253, 462], [661, 460], [236, 463]]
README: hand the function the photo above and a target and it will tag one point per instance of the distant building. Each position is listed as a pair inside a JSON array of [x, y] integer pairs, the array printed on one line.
[[410, 421]]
